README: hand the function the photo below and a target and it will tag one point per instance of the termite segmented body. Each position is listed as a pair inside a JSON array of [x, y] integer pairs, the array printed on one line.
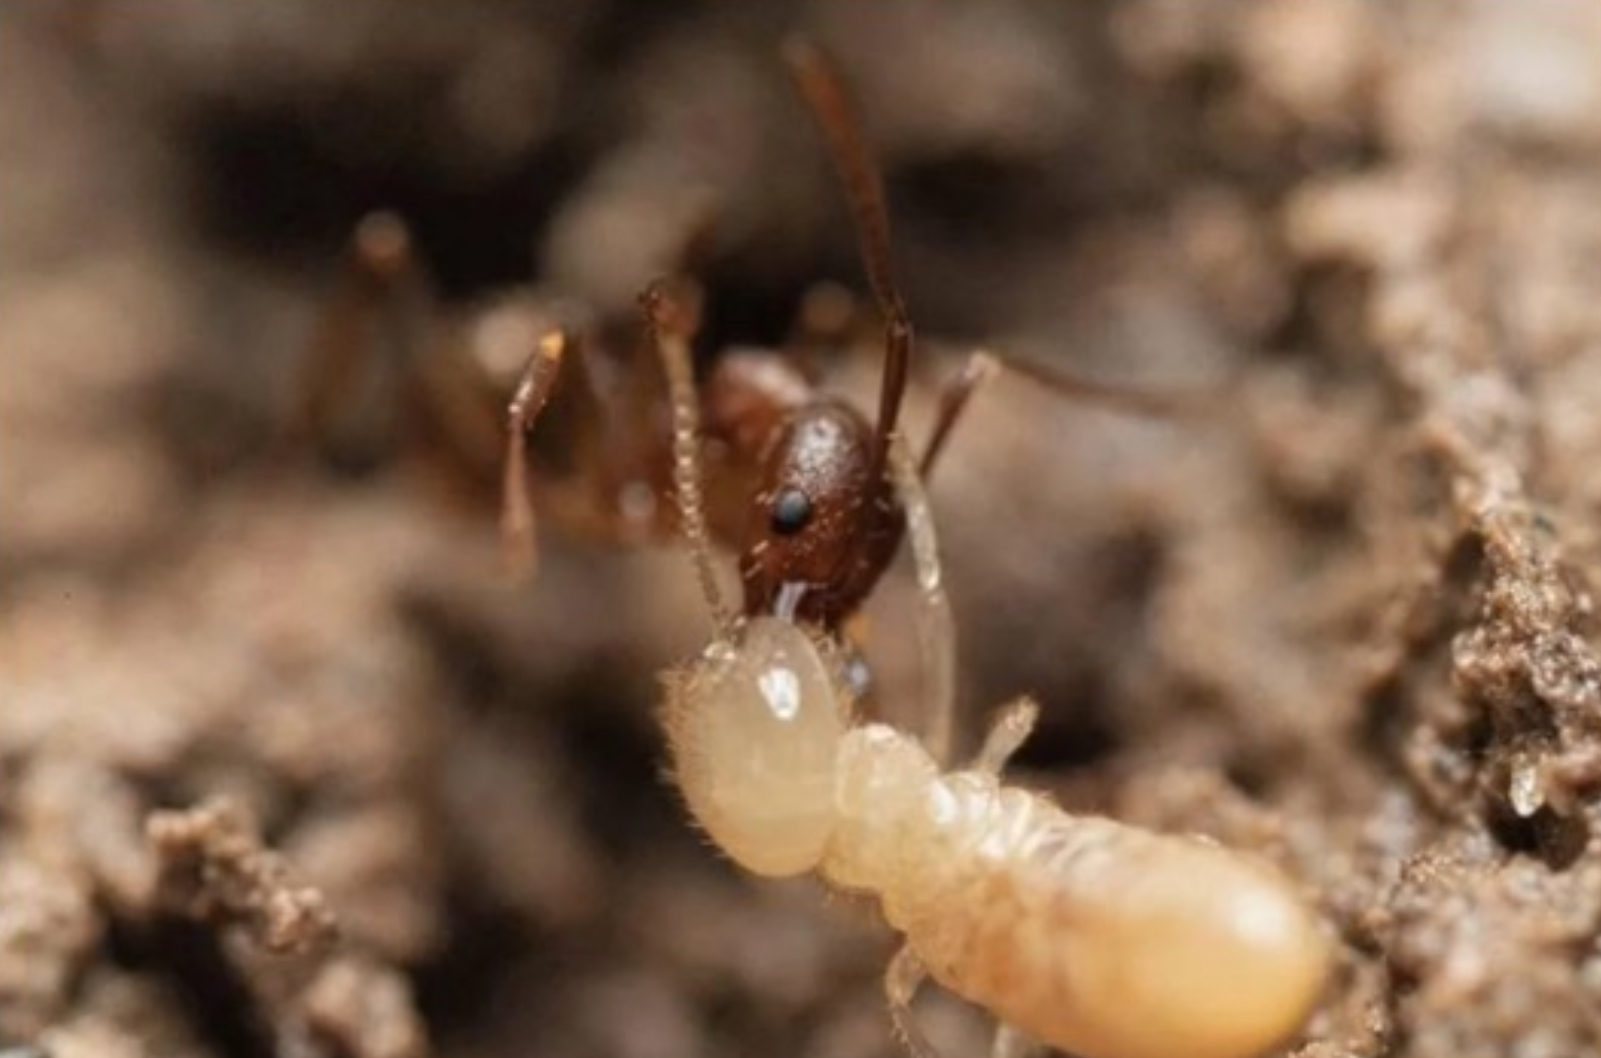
[[1100, 938]]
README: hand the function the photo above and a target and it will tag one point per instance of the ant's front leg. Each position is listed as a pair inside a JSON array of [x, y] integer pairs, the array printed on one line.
[[533, 391]]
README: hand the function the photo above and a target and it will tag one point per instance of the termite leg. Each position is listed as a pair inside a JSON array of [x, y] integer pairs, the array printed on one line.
[[1013, 1043], [904, 977], [1009, 731], [529, 399], [936, 628], [983, 366]]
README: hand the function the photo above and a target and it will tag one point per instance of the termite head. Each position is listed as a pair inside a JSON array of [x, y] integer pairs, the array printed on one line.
[[824, 523], [754, 728]]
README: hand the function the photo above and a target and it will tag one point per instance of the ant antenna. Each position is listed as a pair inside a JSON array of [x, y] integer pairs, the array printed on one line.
[[668, 331], [823, 89], [936, 628]]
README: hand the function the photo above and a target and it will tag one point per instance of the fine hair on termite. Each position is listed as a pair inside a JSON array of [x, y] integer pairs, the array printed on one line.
[[1099, 938]]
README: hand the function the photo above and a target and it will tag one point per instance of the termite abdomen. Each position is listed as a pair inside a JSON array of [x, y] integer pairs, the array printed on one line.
[[1116, 942]]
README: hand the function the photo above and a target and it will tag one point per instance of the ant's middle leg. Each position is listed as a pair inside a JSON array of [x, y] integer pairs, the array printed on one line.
[[982, 367]]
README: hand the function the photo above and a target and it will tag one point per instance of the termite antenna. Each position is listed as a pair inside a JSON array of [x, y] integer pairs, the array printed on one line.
[[936, 628], [823, 89], [669, 332]]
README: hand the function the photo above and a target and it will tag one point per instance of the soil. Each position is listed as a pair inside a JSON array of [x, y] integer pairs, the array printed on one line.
[[291, 766]]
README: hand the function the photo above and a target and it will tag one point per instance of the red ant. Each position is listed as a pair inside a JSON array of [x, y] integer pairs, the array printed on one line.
[[813, 512], [798, 483]]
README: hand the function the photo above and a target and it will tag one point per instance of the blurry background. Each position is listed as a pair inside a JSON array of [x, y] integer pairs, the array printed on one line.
[[1343, 622]]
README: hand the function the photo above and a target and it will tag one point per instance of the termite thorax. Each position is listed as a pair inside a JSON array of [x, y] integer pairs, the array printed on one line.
[[904, 831]]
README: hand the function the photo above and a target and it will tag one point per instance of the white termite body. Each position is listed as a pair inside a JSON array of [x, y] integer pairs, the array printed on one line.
[[1099, 938]]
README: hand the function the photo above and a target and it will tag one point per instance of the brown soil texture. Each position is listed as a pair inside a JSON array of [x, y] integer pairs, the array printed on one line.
[[290, 766]]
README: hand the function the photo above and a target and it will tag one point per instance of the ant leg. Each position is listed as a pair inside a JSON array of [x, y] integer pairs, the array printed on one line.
[[1009, 731], [456, 400], [380, 367], [529, 399], [904, 977], [980, 369], [347, 332], [983, 366], [936, 628]]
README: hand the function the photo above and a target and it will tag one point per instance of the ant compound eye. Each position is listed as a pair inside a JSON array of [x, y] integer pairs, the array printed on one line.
[[792, 509]]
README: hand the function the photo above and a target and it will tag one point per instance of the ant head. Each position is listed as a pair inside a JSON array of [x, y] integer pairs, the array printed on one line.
[[823, 524]]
